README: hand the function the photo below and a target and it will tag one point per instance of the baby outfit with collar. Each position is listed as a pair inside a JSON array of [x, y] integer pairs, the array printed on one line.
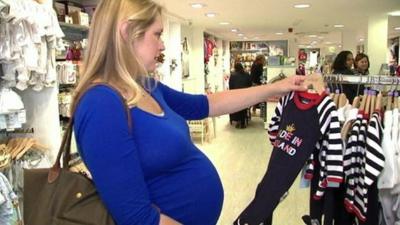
[[301, 121]]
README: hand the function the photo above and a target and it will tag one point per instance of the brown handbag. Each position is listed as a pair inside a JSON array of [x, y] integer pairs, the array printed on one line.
[[57, 196]]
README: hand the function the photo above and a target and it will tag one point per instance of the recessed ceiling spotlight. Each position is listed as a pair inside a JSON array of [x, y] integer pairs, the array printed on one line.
[[312, 36], [395, 13], [224, 23], [302, 6], [245, 38], [256, 38], [211, 15], [339, 46], [279, 33], [198, 5], [397, 28], [328, 42], [240, 35], [234, 30], [361, 39], [321, 37], [338, 25], [309, 46]]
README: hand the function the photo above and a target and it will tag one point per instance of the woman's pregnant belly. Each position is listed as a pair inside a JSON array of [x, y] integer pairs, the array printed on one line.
[[191, 194]]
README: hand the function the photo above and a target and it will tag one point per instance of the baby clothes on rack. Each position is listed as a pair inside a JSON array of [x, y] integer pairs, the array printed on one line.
[[67, 72], [10, 213], [388, 180], [64, 104], [354, 199], [294, 139], [375, 158], [364, 161], [30, 33], [12, 112]]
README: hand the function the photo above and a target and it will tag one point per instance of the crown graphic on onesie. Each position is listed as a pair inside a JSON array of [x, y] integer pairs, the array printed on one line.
[[290, 128]]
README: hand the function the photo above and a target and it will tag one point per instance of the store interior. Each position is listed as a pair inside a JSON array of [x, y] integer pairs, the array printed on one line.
[[203, 39]]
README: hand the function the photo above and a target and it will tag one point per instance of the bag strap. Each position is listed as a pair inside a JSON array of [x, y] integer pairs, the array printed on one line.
[[64, 153]]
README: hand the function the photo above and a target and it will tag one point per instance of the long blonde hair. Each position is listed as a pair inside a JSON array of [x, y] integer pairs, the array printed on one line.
[[109, 57]]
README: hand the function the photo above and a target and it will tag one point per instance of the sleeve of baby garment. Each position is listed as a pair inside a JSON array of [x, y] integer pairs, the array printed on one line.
[[330, 130], [334, 154], [375, 159], [189, 106], [110, 153], [276, 118]]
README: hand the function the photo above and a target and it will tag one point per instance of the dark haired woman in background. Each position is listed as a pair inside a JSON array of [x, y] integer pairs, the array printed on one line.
[[343, 65], [239, 79], [256, 73]]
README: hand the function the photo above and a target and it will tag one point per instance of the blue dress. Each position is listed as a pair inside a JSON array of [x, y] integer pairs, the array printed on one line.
[[156, 163]]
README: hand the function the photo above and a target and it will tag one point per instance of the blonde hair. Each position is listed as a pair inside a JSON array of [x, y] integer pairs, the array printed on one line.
[[109, 57]]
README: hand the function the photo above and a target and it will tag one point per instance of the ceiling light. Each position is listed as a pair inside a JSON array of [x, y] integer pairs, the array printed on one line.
[[361, 39], [224, 23], [395, 13], [279, 33], [240, 34], [312, 36], [302, 6], [397, 28], [320, 37], [245, 38], [197, 5], [256, 38], [328, 42], [338, 25], [234, 30], [309, 46], [211, 15], [339, 46]]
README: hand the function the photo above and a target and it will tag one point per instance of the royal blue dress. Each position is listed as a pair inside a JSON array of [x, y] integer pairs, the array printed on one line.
[[156, 163]]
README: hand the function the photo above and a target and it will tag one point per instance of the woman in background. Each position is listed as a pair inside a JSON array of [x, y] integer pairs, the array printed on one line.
[[239, 79], [257, 69], [256, 72], [361, 64], [343, 65]]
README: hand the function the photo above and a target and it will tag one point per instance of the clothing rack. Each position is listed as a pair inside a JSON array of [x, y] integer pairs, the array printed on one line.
[[361, 79], [18, 131]]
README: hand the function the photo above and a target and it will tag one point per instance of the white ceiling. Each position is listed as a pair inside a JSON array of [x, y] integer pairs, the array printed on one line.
[[264, 18]]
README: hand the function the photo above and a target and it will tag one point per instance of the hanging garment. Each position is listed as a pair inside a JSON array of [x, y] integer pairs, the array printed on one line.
[[375, 159], [388, 202], [10, 213], [387, 178], [373, 213], [354, 179], [374, 164], [364, 161], [333, 208], [396, 140], [294, 142], [30, 33], [313, 58], [302, 55]]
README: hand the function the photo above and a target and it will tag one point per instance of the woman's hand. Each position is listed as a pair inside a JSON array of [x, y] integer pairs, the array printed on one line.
[[292, 83]]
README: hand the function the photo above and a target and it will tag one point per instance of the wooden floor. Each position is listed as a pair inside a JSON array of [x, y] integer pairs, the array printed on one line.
[[241, 157]]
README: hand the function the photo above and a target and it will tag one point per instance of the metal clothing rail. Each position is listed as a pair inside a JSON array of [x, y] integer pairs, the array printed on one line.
[[361, 79]]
